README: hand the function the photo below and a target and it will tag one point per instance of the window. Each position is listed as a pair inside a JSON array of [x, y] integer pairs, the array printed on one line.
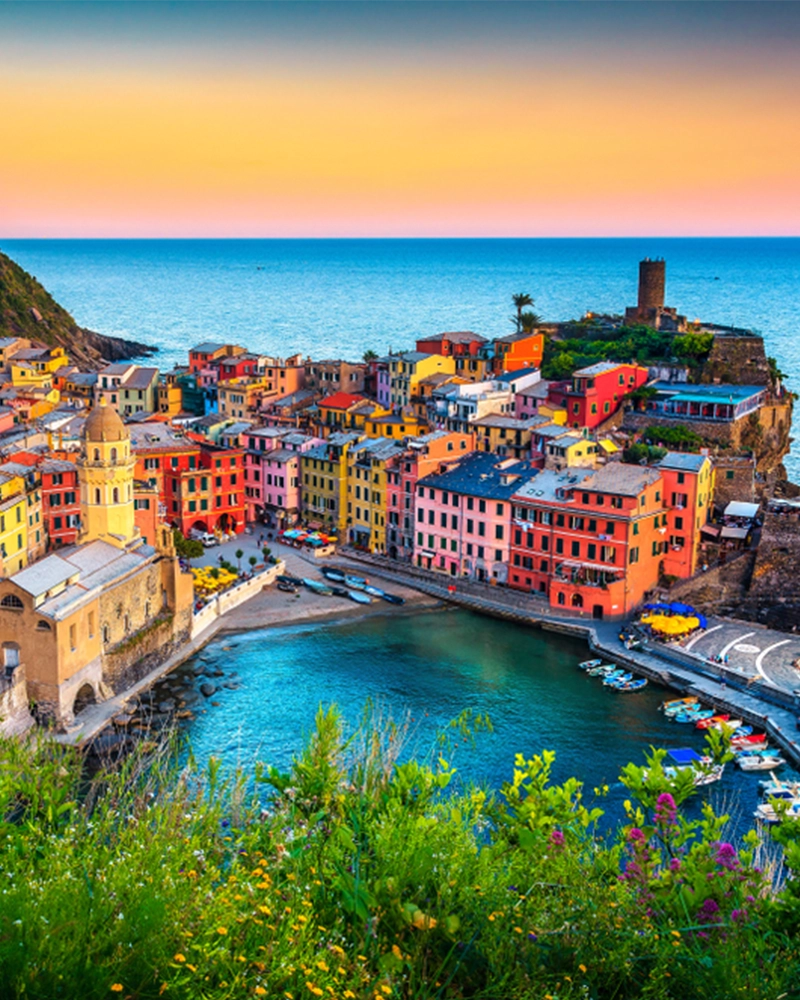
[[498, 532], [592, 525], [43, 626], [481, 529], [636, 527], [97, 495], [576, 548], [729, 474], [73, 637], [113, 454], [681, 477], [678, 523], [591, 551], [115, 494], [443, 520], [560, 598], [634, 556], [499, 510], [470, 503], [11, 603], [90, 621], [560, 546], [545, 543]]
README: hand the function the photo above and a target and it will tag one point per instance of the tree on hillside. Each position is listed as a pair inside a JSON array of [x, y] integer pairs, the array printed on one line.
[[520, 301]]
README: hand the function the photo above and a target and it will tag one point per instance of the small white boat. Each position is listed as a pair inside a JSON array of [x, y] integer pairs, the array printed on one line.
[[757, 762], [588, 664], [773, 787], [732, 725], [679, 704], [767, 813]]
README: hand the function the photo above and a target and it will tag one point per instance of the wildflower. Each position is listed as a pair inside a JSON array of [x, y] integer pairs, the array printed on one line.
[[314, 989], [179, 958], [738, 915], [709, 912], [675, 865], [726, 856], [582, 968], [635, 835], [396, 952], [666, 810], [532, 936], [193, 968], [323, 966], [557, 838], [348, 995], [260, 991], [117, 987], [386, 989], [675, 933], [517, 930]]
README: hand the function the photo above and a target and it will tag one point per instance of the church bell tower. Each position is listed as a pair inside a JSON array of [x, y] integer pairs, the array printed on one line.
[[105, 473]]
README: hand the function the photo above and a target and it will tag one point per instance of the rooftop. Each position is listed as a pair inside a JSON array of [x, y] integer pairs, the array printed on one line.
[[622, 480], [456, 337], [483, 475], [341, 400], [708, 393], [513, 376], [207, 347], [682, 462], [551, 485], [142, 378], [598, 369], [510, 423]]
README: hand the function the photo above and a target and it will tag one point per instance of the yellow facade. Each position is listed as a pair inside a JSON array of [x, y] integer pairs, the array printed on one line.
[[367, 465], [13, 524], [324, 473], [105, 474], [236, 397], [555, 414], [406, 371], [396, 427]]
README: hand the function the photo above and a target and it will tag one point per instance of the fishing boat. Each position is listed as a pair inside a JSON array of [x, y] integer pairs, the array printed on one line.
[[359, 597], [686, 717], [355, 582], [333, 574], [317, 587], [732, 725], [614, 679], [759, 762], [684, 710], [588, 664], [743, 741], [709, 720], [600, 671], [340, 591], [767, 813], [392, 598], [373, 591], [634, 685], [679, 704]]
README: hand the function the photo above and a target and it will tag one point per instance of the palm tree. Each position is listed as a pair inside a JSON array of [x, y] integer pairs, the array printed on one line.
[[370, 356], [528, 321], [520, 301]]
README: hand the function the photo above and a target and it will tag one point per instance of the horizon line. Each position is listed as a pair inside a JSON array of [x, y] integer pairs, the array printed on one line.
[[254, 239]]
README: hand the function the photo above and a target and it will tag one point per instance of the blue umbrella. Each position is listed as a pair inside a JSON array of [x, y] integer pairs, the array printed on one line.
[[703, 620], [681, 609]]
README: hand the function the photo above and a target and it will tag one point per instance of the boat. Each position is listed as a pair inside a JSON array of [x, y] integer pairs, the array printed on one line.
[[774, 788], [317, 587], [758, 762], [743, 741], [359, 597], [285, 578], [286, 587], [702, 717], [600, 671], [767, 813], [613, 679], [373, 591], [679, 704], [588, 664], [355, 582], [742, 731], [333, 574], [732, 725], [634, 685], [340, 591], [393, 598], [684, 710], [686, 717], [707, 721], [750, 748]]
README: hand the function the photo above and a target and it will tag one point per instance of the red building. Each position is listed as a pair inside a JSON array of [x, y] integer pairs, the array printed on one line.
[[61, 508], [205, 355], [457, 345], [200, 484], [596, 392], [241, 366], [591, 541]]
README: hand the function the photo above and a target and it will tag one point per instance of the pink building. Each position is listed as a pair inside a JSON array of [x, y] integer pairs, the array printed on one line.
[[272, 474], [423, 455], [463, 517]]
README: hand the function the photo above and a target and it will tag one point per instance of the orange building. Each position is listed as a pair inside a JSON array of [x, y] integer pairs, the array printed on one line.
[[592, 541], [518, 350], [689, 494]]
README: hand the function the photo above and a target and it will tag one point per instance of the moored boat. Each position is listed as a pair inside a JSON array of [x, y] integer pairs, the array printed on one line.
[[679, 704], [340, 591], [588, 664], [614, 679], [392, 598], [359, 597], [355, 582], [732, 724], [634, 685], [373, 591], [710, 720], [333, 574], [758, 762], [318, 587]]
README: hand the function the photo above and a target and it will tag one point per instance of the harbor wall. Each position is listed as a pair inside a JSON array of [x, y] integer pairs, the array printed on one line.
[[230, 599]]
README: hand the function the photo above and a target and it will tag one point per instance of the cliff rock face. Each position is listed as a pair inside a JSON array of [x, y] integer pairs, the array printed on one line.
[[28, 310], [737, 359]]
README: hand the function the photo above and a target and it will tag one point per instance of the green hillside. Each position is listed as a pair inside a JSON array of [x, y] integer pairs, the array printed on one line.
[[28, 310]]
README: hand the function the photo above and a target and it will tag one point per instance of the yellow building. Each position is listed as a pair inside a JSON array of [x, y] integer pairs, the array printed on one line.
[[396, 426], [13, 523], [238, 397], [36, 366], [473, 369], [565, 449], [406, 370], [105, 475], [366, 492], [323, 473], [506, 436], [85, 623]]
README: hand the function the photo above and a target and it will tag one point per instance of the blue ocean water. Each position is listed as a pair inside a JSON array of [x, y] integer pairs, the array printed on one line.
[[342, 297], [426, 669]]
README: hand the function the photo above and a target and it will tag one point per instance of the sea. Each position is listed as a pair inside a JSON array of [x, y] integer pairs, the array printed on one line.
[[340, 298]]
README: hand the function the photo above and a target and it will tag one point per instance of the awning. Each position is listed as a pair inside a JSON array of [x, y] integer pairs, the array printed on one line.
[[428, 553], [587, 565], [738, 533], [736, 508]]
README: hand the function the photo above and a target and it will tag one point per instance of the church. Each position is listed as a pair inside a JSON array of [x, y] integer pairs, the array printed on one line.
[[88, 621]]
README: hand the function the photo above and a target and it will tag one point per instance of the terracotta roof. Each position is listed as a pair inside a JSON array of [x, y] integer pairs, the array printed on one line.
[[340, 401]]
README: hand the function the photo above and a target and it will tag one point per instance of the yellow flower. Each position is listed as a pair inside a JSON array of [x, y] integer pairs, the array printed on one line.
[[260, 991], [396, 952], [179, 957], [517, 930], [386, 989], [348, 995], [265, 910], [192, 967], [322, 965], [314, 989], [222, 930], [582, 968], [675, 933], [117, 987]]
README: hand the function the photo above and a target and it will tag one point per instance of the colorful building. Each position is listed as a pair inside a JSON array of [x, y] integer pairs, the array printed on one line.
[[504, 435], [329, 377], [423, 455], [203, 356], [460, 344], [689, 494], [273, 476], [368, 463], [333, 412], [407, 369], [61, 507], [13, 523], [324, 472], [596, 393], [463, 517], [517, 351], [590, 540], [128, 388]]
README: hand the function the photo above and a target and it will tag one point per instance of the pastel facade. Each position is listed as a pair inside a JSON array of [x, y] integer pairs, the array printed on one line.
[[407, 369], [518, 351], [368, 464], [324, 472], [13, 523], [596, 393], [128, 388], [463, 517]]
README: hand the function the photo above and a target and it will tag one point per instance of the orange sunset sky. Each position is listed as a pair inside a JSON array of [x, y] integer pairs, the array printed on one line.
[[383, 119]]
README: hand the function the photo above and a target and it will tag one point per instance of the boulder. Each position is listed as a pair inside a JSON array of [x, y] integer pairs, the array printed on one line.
[[207, 689]]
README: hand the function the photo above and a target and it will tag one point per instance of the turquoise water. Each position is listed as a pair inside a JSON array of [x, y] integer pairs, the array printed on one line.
[[426, 669], [341, 297]]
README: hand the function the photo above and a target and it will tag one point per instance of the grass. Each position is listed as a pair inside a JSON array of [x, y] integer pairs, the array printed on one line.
[[356, 876]]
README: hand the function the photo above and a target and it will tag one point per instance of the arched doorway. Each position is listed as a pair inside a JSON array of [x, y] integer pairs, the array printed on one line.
[[83, 699], [577, 601], [200, 526], [226, 523]]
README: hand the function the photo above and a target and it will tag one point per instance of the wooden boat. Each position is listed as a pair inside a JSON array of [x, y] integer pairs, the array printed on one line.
[[679, 704], [588, 664], [757, 762], [340, 591], [392, 598], [317, 587], [359, 597], [686, 717], [286, 578], [634, 685], [710, 720], [373, 591], [614, 679], [732, 724], [742, 731], [743, 741], [333, 574], [286, 587], [684, 710], [355, 582]]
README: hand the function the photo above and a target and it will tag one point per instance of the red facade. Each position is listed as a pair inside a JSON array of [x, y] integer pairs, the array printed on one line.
[[61, 508], [596, 393]]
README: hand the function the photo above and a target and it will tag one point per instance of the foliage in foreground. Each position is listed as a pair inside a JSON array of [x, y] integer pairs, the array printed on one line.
[[356, 875]]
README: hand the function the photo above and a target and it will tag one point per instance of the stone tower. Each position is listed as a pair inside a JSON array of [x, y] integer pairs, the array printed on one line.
[[652, 283], [105, 473]]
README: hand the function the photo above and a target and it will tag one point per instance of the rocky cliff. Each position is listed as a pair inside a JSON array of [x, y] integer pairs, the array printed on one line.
[[28, 310]]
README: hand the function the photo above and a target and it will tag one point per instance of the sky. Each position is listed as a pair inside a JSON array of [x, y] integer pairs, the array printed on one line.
[[384, 119]]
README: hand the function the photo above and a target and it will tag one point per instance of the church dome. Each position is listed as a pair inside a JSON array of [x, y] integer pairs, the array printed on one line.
[[104, 424]]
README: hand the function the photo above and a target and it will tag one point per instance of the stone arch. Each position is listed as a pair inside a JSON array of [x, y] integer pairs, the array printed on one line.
[[226, 523], [84, 698], [577, 601]]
